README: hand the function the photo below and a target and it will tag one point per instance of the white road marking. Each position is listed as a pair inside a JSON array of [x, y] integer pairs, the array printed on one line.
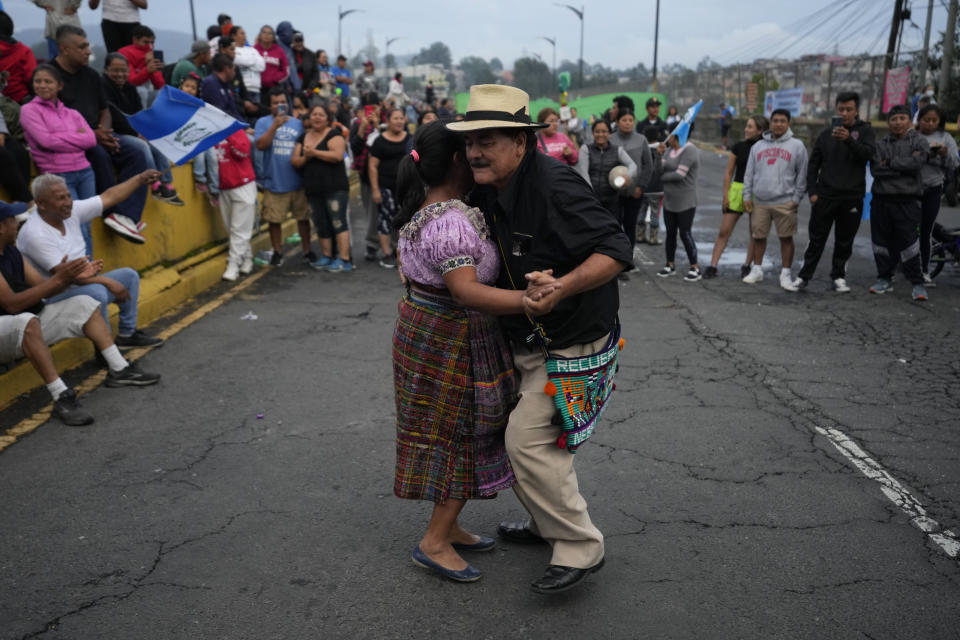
[[639, 257], [896, 492]]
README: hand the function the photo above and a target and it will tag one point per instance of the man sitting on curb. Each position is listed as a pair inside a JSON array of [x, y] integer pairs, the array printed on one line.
[[54, 234], [27, 325]]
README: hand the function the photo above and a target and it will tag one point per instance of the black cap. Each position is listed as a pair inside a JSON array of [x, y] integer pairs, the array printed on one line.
[[653, 102]]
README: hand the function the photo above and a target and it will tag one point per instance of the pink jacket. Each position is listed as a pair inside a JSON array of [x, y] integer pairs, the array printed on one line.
[[57, 135], [554, 145]]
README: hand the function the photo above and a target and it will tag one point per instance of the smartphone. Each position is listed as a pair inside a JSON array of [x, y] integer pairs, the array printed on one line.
[[281, 109], [158, 54], [368, 109], [836, 122]]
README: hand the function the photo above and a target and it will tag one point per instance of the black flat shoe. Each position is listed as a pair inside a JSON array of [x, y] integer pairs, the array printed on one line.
[[518, 531], [557, 579]]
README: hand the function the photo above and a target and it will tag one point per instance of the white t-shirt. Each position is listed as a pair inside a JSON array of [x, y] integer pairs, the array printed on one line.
[[120, 11], [44, 246]]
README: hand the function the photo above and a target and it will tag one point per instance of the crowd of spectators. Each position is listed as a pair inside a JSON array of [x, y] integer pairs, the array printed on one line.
[[311, 121]]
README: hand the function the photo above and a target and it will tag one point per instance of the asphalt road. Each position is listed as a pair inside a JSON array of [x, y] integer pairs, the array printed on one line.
[[773, 465]]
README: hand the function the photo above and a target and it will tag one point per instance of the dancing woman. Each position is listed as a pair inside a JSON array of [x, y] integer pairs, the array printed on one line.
[[452, 369]]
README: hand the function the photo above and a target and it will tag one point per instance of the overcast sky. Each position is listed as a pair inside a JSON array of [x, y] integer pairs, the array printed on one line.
[[618, 34]]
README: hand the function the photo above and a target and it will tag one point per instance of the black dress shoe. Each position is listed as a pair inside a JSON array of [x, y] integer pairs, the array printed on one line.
[[557, 579], [518, 531]]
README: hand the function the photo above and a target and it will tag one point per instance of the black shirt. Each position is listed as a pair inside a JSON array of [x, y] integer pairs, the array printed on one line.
[[322, 177], [11, 268], [741, 151], [123, 101], [549, 218], [83, 91], [659, 125], [390, 154]]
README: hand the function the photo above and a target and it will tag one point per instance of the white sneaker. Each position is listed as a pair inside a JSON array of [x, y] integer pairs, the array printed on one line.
[[786, 282], [232, 272], [755, 275], [667, 271], [840, 286], [125, 227], [247, 265]]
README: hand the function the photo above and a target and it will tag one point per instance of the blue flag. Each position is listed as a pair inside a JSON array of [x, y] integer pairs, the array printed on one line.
[[181, 126], [682, 132]]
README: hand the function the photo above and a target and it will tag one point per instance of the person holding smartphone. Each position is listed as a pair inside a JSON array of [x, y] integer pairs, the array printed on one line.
[[836, 183], [941, 162]]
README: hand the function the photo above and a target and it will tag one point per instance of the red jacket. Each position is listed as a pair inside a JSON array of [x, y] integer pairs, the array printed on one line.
[[236, 165], [18, 59], [136, 55], [277, 66]]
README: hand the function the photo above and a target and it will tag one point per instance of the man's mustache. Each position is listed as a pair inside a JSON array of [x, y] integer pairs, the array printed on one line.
[[479, 164]]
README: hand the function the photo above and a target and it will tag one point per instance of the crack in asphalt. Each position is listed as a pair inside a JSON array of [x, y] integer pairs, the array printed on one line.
[[139, 582], [804, 413]]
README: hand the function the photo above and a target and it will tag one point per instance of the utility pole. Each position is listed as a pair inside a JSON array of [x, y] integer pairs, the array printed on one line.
[[926, 45], [193, 21], [656, 44], [829, 86], [739, 91], [946, 69], [892, 42]]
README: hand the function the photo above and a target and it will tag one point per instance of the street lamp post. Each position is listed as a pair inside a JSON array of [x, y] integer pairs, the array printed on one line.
[[579, 13], [656, 44], [553, 43], [341, 14], [386, 53]]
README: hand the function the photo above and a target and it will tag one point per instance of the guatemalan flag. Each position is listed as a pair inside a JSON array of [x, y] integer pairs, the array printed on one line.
[[180, 126], [682, 132]]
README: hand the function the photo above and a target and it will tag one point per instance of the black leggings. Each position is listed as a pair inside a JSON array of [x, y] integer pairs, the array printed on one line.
[[681, 221], [630, 212], [929, 208]]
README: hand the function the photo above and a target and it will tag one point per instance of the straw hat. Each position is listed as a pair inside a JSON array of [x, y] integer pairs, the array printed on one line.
[[496, 106]]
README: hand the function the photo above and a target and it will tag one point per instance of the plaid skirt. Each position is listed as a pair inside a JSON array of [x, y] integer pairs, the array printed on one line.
[[455, 387]]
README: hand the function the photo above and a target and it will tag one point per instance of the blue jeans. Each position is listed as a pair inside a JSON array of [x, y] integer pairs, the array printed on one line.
[[128, 161], [155, 160], [82, 185], [206, 170], [130, 279]]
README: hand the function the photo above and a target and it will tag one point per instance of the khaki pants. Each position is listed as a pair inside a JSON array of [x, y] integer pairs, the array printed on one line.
[[546, 481]]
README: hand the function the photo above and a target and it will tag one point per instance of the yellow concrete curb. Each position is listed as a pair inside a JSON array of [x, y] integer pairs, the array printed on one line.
[[161, 290]]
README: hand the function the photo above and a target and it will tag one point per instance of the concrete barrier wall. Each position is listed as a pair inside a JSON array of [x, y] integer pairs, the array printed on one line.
[[184, 255]]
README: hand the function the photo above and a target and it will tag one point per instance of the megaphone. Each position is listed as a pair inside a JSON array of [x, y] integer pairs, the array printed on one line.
[[619, 177]]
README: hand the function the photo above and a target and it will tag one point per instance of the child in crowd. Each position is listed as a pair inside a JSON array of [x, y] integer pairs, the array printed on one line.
[[649, 227], [206, 172], [238, 201]]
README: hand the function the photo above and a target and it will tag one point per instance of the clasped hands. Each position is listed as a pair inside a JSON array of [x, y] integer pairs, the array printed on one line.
[[543, 292]]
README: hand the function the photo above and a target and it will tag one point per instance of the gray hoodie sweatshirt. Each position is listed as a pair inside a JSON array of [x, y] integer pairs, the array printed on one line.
[[933, 172], [680, 169], [776, 171]]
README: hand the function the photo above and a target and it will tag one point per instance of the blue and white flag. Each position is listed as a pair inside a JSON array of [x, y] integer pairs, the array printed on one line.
[[682, 132], [181, 126]]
